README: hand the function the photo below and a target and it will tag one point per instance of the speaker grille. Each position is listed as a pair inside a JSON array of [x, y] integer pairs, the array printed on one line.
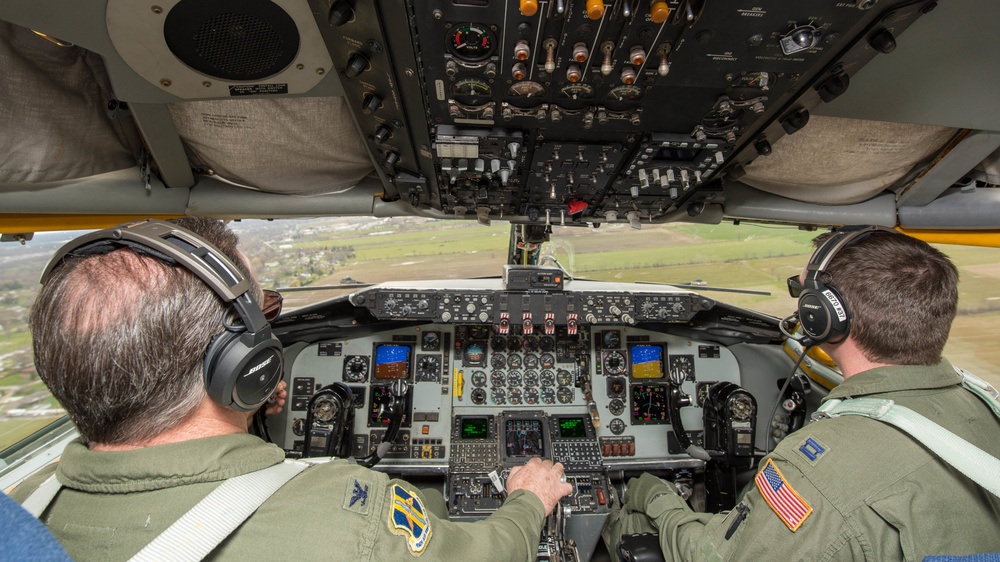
[[232, 39]]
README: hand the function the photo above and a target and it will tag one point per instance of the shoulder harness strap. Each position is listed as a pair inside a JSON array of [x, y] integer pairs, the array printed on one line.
[[209, 522], [979, 466]]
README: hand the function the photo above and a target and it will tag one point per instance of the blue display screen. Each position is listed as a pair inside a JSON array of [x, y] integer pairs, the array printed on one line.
[[392, 361], [647, 361]]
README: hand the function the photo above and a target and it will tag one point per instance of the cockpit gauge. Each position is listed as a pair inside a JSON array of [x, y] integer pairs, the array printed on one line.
[[577, 91], [515, 397], [514, 361], [299, 426], [530, 361], [478, 379], [530, 344], [356, 368], [612, 339], [514, 378], [564, 394], [526, 89], [531, 378], [498, 378], [649, 404], [625, 93], [616, 387], [547, 360], [741, 407], [471, 42], [475, 354], [548, 395], [428, 368], [547, 343], [681, 368], [498, 396], [564, 377], [547, 378], [471, 90], [430, 341], [514, 343], [614, 363], [531, 395], [498, 361], [498, 345], [616, 407], [478, 396], [616, 426]]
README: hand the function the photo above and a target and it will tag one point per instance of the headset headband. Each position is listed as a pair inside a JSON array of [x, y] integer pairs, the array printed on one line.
[[842, 237], [173, 245]]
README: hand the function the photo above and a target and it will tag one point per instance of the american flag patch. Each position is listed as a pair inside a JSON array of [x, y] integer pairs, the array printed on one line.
[[788, 504]]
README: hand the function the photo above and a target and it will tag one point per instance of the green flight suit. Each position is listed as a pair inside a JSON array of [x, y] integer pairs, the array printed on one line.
[[868, 490], [115, 503]]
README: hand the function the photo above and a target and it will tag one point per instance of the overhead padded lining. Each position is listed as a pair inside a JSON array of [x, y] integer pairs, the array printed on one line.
[[835, 161], [297, 146], [53, 110], [990, 168]]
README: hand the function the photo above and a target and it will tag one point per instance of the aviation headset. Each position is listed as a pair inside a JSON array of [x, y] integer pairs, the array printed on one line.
[[243, 364], [822, 311]]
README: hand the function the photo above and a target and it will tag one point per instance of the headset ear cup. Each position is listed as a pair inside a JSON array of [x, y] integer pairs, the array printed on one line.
[[240, 376], [823, 314]]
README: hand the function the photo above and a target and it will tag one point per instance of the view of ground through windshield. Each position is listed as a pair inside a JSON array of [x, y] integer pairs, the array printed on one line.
[[344, 251]]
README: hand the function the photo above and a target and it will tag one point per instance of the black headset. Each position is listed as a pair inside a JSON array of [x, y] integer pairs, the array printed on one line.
[[244, 364], [822, 311]]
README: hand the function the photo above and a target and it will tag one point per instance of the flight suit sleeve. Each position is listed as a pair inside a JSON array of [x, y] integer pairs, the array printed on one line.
[[753, 531], [413, 525]]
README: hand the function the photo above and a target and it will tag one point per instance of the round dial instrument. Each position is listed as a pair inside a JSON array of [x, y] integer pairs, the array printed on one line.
[[471, 42], [498, 361], [498, 396], [530, 361], [478, 396], [515, 396], [530, 343], [564, 377], [478, 378], [547, 378], [547, 343], [498, 378], [547, 360], [681, 368], [616, 407], [514, 378], [625, 93], [617, 426], [514, 361], [428, 368], [514, 343], [577, 91], [531, 395], [356, 368], [526, 89], [498, 344], [548, 396], [324, 409], [531, 378], [471, 90], [565, 394], [614, 363]]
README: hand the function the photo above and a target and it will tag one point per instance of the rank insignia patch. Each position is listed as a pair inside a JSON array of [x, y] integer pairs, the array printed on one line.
[[784, 500], [356, 498], [408, 518], [812, 449]]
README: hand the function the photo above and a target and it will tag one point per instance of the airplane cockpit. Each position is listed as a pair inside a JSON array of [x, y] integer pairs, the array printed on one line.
[[533, 113]]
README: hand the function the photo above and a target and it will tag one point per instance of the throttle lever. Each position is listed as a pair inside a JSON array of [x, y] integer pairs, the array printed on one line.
[[675, 401]]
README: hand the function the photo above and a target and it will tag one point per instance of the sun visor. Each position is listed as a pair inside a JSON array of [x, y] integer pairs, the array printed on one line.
[[298, 146], [54, 110], [836, 161]]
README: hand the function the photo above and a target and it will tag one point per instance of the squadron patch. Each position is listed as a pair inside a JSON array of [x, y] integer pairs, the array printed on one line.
[[356, 496], [409, 518], [784, 500]]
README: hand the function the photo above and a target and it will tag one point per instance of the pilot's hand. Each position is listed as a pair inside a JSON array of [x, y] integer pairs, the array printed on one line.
[[643, 490], [542, 478], [277, 400]]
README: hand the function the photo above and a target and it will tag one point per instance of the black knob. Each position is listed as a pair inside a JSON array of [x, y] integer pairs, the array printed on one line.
[[382, 134], [883, 42], [834, 87], [795, 121], [371, 104], [340, 13], [391, 158], [763, 147], [357, 64]]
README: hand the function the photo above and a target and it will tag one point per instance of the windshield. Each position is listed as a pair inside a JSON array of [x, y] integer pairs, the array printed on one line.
[[317, 259]]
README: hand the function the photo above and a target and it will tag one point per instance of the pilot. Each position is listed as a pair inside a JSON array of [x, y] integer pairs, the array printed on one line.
[[120, 339], [848, 487]]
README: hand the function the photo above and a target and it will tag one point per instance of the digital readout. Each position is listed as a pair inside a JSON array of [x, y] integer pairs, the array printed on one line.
[[572, 427], [649, 404], [475, 428], [392, 361], [524, 438], [647, 361]]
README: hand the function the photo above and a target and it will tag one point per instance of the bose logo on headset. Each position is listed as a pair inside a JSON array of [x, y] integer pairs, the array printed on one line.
[[228, 355], [821, 308]]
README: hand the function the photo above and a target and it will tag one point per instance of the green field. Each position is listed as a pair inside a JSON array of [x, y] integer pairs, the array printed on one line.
[[12, 431]]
